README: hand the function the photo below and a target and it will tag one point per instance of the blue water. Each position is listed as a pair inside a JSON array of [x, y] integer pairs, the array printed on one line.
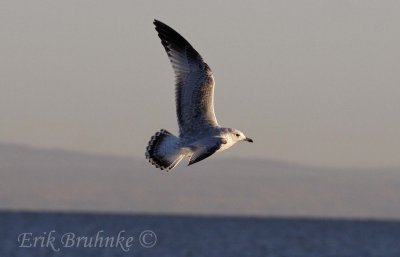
[[176, 236]]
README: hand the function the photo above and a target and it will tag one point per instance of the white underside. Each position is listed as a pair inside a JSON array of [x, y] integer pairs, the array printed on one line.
[[228, 144]]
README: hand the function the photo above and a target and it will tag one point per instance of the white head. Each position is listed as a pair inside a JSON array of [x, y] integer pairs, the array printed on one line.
[[237, 136]]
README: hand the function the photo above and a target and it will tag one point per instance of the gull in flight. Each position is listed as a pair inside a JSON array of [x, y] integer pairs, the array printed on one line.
[[200, 136]]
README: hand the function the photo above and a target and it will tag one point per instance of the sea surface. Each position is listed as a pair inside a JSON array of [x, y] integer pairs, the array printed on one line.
[[42, 234]]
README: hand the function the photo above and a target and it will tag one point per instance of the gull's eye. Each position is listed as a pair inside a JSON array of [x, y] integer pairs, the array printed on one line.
[[237, 135]]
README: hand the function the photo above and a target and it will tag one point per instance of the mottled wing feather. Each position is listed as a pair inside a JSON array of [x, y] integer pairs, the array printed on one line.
[[194, 87]]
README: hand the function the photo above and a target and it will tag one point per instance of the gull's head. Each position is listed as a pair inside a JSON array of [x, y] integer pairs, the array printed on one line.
[[237, 136]]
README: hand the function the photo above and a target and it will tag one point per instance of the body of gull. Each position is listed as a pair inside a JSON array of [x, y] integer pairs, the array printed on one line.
[[200, 135]]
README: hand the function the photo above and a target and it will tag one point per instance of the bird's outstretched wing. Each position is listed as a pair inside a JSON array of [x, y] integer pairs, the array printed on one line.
[[194, 88]]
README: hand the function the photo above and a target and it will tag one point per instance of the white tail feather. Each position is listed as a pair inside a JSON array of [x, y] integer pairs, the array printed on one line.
[[164, 151]]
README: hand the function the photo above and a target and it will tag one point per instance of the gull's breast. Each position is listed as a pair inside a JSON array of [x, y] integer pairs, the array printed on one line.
[[228, 144]]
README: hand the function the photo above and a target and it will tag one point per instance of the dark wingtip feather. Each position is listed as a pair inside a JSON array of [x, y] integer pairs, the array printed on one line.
[[158, 23], [170, 38]]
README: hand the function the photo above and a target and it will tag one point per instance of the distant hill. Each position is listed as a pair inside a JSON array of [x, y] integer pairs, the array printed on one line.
[[37, 179]]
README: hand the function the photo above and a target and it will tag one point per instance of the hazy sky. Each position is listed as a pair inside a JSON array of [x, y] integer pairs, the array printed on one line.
[[314, 82]]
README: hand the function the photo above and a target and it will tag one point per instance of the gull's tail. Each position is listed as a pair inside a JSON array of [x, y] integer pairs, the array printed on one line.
[[164, 151]]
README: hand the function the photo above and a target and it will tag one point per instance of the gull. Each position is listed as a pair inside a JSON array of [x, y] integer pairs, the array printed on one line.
[[200, 135]]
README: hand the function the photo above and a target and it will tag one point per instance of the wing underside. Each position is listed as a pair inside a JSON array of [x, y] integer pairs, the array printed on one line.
[[194, 83]]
